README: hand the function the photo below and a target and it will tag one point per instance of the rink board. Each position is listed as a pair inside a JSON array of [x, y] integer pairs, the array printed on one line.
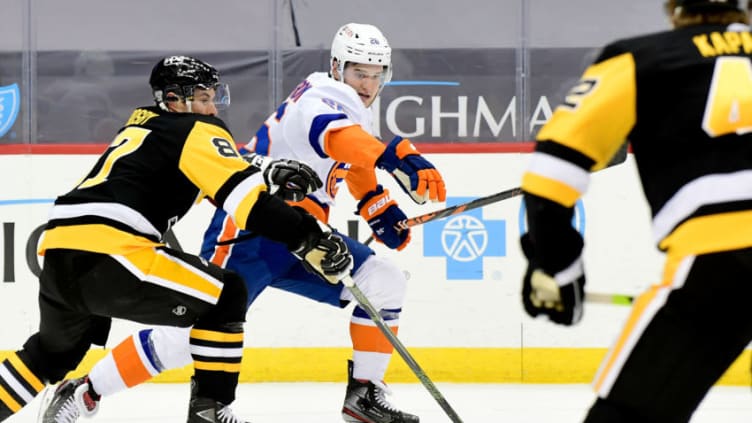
[[462, 317]]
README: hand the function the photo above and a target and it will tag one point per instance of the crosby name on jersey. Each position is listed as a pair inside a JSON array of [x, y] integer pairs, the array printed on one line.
[[157, 167]]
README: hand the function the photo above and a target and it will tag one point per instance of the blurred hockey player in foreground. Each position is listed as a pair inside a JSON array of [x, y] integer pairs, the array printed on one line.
[[683, 98], [326, 122], [104, 255]]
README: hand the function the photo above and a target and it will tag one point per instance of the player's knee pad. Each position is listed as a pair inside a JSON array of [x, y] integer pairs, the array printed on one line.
[[170, 346], [382, 282], [231, 306]]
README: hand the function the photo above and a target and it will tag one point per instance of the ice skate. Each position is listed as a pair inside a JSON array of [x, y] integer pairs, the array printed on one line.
[[207, 410], [365, 402], [72, 398]]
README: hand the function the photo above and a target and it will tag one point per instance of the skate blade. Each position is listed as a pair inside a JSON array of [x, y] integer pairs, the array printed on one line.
[[350, 416]]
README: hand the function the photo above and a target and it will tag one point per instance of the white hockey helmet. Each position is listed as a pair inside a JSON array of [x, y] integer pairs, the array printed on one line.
[[361, 43]]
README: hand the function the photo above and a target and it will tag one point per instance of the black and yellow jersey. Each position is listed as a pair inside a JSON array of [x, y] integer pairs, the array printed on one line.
[[683, 99], [157, 167]]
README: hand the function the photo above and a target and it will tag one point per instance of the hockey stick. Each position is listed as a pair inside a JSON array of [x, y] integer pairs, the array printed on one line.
[[409, 360], [614, 299], [459, 208], [619, 157], [423, 218]]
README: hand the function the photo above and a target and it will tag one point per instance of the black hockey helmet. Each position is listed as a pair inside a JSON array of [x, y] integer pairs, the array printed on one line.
[[708, 5], [181, 75]]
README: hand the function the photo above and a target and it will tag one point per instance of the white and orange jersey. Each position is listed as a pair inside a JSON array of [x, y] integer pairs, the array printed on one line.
[[325, 124]]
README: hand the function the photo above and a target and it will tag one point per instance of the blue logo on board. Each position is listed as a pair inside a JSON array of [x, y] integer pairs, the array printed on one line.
[[10, 103], [465, 239]]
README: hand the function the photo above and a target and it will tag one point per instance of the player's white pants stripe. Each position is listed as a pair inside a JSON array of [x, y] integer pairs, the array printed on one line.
[[173, 285]]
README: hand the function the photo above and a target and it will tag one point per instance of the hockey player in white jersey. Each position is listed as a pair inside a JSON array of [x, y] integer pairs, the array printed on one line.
[[326, 122]]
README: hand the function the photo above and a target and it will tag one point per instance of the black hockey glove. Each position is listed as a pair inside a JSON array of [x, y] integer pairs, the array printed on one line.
[[555, 289], [288, 179], [324, 253]]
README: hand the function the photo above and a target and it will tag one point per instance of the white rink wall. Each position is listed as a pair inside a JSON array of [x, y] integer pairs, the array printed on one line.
[[442, 309]]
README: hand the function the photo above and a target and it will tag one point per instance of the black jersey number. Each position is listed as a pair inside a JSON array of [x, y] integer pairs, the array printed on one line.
[[125, 143], [729, 106], [578, 92], [224, 147]]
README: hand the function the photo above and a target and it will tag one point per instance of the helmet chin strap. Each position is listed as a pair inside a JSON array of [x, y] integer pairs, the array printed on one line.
[[340, 71]]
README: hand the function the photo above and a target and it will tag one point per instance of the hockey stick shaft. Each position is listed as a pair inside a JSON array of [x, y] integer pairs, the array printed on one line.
[[397, 344], [614, 299], [457, 209]]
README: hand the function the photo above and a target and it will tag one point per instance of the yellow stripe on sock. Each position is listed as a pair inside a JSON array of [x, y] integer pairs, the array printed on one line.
[[9, 401], [217, 367], [209, 335], [26, 373]]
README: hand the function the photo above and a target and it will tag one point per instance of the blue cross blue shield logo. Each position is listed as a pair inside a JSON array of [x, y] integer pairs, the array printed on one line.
[[10, 102], [465, 239]]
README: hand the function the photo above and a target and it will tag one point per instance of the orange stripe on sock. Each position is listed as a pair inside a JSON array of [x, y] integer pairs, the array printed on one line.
[[221, 252], [370, 338], [6, 399], [129, 364]]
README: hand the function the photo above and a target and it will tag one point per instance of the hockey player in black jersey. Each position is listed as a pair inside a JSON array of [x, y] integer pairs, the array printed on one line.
[[104, 255], [683, 99]]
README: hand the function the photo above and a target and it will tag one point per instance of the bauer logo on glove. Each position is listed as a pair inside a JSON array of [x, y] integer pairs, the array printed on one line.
[[380, 203], [385, 218]]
